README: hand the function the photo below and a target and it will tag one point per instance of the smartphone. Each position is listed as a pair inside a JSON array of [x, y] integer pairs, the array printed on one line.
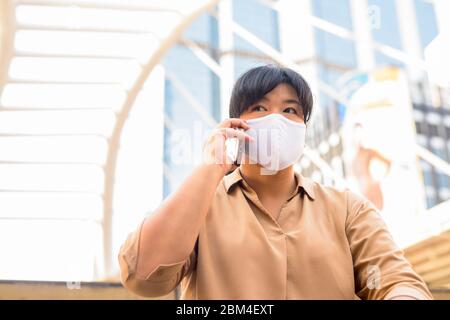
[[240, 150], [235, 149]]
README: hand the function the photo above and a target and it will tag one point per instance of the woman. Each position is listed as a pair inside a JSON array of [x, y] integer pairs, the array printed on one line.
[[264, 231], [360, 167]]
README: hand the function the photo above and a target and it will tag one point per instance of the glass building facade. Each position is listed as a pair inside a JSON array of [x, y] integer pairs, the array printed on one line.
[[192, 99]]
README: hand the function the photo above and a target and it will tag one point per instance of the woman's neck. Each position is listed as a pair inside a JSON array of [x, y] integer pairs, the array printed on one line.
[[281, 183]]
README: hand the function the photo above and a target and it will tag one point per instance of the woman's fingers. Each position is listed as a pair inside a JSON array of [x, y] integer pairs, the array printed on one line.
[[234, 133], [234, 123], [215, 148]]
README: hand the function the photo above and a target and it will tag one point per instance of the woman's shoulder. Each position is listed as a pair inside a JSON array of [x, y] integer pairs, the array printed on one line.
[[339, 197]]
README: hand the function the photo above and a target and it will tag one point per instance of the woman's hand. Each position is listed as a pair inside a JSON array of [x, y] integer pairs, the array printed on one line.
[[214, 150], [169, 235]]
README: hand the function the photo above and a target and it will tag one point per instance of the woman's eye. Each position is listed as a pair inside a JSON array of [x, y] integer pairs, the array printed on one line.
[[290, 110], [259, 108]]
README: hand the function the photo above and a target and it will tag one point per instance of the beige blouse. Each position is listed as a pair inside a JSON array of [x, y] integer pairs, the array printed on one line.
[[326, 244]]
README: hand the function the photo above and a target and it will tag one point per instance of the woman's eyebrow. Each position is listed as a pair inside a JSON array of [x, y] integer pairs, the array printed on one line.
[[292, 101]]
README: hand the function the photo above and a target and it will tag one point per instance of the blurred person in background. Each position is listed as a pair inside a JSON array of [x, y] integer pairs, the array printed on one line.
[[361, 164]]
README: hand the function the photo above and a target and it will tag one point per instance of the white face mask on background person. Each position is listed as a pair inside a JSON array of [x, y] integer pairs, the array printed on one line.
[[279, 142]]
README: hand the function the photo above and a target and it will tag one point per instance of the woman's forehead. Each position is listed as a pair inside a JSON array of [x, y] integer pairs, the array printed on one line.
[[282, 91]]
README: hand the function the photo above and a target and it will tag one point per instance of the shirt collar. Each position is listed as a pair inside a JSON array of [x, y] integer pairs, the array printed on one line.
[[302, 182]]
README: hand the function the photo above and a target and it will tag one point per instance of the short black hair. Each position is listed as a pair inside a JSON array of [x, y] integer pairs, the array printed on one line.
[[254, 84]]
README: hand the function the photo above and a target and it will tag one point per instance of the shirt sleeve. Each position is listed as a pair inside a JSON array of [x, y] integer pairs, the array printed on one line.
[[380, 268], [162, 280]]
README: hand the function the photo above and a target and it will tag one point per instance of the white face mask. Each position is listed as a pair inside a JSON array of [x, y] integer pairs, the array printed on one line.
[[279, 142]]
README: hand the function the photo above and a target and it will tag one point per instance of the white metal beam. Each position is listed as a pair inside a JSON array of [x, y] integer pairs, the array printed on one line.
[[226, 44], [363, 34]]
